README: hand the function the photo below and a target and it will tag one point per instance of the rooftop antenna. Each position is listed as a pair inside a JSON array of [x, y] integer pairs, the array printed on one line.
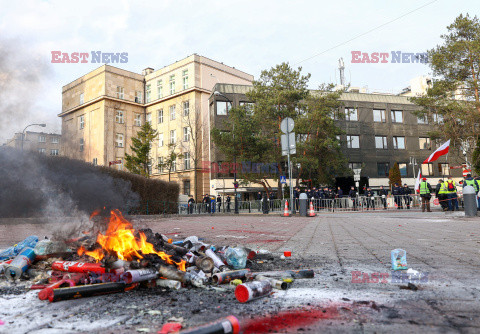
[[341, 68]]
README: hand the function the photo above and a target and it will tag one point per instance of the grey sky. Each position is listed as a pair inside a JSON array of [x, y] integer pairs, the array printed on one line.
[[249, 35]]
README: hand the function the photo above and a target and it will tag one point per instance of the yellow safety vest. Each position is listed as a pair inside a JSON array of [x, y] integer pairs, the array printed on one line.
[[443, 189]]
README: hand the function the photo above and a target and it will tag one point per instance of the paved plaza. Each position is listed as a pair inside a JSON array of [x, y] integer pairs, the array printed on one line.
[[344, 249]]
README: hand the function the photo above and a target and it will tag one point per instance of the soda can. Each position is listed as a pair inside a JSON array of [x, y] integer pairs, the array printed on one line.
[[139, 275], [168, 283], [252, 290], [20, 264], [204, 263]]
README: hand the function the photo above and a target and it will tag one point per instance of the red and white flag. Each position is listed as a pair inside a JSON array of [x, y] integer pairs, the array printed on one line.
[[417, 182], [442, 150]]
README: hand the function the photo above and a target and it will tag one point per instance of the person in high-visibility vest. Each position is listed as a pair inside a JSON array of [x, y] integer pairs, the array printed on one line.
[[425, 194], [452, 194], [441, 193]]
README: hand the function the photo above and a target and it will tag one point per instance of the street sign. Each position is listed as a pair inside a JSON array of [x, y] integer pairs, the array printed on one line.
[[116, 162], [356, 177], [466, 171], [287, 125], [357, 171], [288, 145], [283, 179]]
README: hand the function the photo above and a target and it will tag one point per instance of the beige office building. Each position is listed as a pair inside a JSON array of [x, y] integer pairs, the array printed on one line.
[[104, 109], [41, 142]]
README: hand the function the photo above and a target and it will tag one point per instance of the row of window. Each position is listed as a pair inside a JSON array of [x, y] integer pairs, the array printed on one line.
[[383, 168], [172, 112], [223, 107], [381, 142], [148, 89], [380, 116], [174, 166], [44, 151], [43, 139]]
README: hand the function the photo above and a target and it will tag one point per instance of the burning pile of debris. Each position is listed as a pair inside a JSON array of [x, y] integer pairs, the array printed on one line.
[[121, 258]]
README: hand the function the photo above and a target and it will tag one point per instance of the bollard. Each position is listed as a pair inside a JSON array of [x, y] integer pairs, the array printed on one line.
[[303, 204], [470, 201]]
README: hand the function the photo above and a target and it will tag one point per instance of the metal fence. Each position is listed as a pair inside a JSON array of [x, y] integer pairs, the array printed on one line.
[[345, 204]]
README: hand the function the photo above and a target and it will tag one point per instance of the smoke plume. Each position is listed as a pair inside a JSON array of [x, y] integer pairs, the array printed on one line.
[[35, 185]]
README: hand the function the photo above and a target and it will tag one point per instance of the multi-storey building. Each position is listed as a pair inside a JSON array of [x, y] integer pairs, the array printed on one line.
[[41, 142], [105, 108], [379, 130]]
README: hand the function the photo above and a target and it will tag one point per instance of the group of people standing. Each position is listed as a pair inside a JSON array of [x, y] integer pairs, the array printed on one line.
[[210, 204]]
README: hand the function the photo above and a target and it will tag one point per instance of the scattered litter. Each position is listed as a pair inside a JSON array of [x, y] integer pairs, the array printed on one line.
[[399, 259], [228, 325], [410, 286], [170, 327]]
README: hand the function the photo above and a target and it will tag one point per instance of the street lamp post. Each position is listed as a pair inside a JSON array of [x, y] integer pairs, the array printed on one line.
[[23, 132], [217, 93]]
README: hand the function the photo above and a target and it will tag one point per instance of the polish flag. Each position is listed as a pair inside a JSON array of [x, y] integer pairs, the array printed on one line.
[[417, 182], [442, 150]]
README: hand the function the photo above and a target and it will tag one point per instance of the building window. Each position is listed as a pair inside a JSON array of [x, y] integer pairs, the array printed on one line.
[[54, 152], [159, 88], [138, 96], [172, 84], [174, 165], [173, 136], [382, 169], [81, 98], [42, 139], [119, 140], [149, 167], [399, 143], [160, 139], [41, 150], [422, 119], [186, 134], [351, 114], [403, 170], [148, 118], [160, 164], [186, 108], [353, 142], [148, 93], [172, 112], [437, 118], [427, 169], [54, 140], [119, 92], [138, 120], [81, 144], [222, 108], [186, 160], [81, 122], [160, 116], [185, 79], [354, 165], [443, 169], [397, 116], [424, 143], [119, 116], [186, 187], [248, 106], [381, 142], [95, 161], [379, 115]]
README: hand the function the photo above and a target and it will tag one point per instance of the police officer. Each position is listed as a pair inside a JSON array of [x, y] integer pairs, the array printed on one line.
[[425, 194], [339, 196], [477, 179], [219, 202], [191, 204], [353, 196], [228, 200], [441, 193], [452, 194], [383, 193], [397, 193], [370, 194], [406, 193]]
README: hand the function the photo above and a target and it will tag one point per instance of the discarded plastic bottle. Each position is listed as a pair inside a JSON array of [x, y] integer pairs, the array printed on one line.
[[168, 283], [252, 290], [399, 259], [236, 257], [228, 325], [41, 248], [13, 251]]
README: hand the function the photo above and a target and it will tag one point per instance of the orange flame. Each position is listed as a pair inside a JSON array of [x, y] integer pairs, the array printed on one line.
[[119, 240]]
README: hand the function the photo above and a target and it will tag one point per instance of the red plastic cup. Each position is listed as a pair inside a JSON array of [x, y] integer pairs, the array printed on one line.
[[287, 254]]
